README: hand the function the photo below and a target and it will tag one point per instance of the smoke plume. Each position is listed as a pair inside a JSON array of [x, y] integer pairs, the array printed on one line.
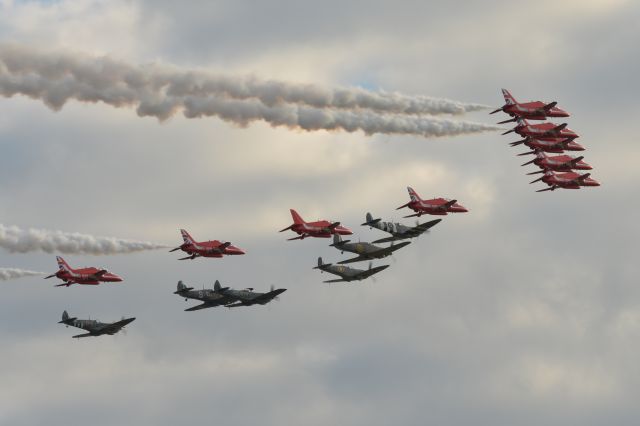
[[161, 91], [11, 273], [17, 240]]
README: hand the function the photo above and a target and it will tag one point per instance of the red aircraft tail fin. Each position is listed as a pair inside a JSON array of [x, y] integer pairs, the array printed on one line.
[[413, 194], [297, 219], [64, 266], [510, 100], [186, 237]]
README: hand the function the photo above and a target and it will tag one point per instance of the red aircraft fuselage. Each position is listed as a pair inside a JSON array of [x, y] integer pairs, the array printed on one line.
[[569, 180], [553, 145], [559, 163], [543, 130], [435, 206], [87, 276], [531, 110], [318, 229], [212, 248]]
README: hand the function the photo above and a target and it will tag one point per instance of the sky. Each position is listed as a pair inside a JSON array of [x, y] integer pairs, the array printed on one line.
[[525, 310]]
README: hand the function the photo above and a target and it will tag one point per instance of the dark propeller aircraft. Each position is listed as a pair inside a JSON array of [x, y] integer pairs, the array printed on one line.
[[398, 230], [211, 298], [346, 273], [365, 251], [225, 296], [94, 328]]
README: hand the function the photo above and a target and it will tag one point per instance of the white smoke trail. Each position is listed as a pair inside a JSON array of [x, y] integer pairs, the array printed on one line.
[[19, 240], [31, 68], [160, 92], [244, 112], [11, 273]]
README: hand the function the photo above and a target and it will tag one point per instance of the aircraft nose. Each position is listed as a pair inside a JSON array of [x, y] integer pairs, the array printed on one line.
[[117, 278]]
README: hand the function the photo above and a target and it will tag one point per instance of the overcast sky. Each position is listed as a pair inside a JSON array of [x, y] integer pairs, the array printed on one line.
[[524, 311]]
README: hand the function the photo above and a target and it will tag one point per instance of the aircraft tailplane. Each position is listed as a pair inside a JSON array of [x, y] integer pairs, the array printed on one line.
[[508, 98], [297, 219], [186, 237]]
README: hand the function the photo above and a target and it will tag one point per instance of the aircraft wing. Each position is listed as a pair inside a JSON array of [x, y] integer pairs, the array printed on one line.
[[378, 254], [77, 336], [356, 259], [269, 296], [203, 306], [388, 250], [113, 328], [391, 239], [419, 229], [372, 271], [341, 280], [261, 300]]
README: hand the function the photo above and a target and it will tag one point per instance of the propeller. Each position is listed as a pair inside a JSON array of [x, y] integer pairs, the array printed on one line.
[[273, 287]]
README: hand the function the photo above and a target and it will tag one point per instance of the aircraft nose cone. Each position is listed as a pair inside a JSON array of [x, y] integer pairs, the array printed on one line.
[[116, 277]]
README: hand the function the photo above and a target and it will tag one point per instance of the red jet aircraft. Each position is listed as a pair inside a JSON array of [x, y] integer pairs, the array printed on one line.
[[543, 130], [558, 163], [319, 229], [90, 276], [570, 180], [213, 248], [436, 206], [532, 110], [554, 145]]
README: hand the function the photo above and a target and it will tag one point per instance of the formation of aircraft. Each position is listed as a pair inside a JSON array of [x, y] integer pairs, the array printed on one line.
[[87, 276], [346, 273], [212, 248], [557, 171], [435, 206], [94, 328], [226, 296], [546, 138], [318, 229]]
